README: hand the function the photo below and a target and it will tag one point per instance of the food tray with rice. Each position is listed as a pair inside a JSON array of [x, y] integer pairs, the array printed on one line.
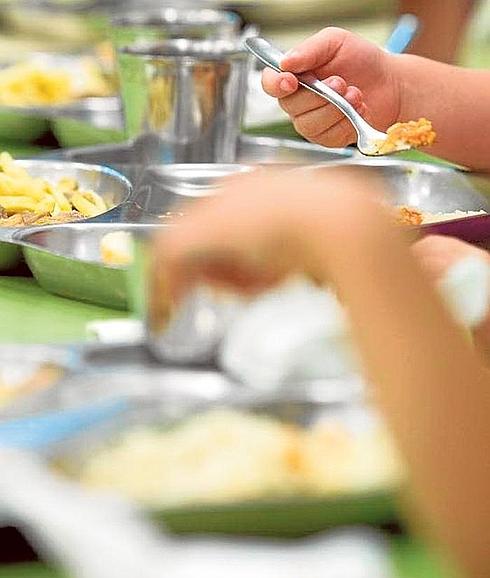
[[225, 459]]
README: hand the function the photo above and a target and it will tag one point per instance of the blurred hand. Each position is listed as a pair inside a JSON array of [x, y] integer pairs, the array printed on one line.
[[437, 253], [263, 227], [355, 68]]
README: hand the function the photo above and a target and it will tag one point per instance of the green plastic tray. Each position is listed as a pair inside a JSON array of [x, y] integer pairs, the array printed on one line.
[[286, 518]]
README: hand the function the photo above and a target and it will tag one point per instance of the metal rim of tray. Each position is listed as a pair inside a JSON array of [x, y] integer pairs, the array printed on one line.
[[76, 109]]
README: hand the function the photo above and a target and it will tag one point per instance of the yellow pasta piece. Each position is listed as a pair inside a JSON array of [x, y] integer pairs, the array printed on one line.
[[46, 206], [95, 199], [61, 201], [17, 204], [67, 185], [83, 205]]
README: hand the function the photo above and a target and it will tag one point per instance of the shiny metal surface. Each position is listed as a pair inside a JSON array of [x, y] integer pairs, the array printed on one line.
[[65, 260], [430, 187], [172, 22], [176, 389], [112, 186], [368, 138], [167, 189], [184, 100], [250, 150], [189, 334], [434, 189], [161, 396]]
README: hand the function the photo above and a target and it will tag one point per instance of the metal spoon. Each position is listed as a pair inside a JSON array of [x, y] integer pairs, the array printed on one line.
[[369, 139]]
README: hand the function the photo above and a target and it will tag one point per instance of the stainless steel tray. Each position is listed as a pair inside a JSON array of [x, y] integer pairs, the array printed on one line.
[[65, 260], [164, 188], [114, 188], [437, 189], [162, 398], [123, 157]]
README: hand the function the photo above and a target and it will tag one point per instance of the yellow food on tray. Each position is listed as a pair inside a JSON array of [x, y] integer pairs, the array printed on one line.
[[412, 216], [27, 200], [228, 456], [33, 84], [117, 248]]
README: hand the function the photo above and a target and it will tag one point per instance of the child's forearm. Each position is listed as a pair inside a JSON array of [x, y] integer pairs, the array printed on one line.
[[443, 25], [429, 380], [455, 100]]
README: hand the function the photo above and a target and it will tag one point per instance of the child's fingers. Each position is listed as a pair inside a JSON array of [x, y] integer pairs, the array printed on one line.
[[278, 85], [316, 51], [437, 253], [340, 134], [314, 123], [327, 125], [304, 100]]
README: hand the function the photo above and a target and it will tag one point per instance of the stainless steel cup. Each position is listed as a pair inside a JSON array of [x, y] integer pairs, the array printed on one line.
[[170, 23], [187, 334], [184, 100]]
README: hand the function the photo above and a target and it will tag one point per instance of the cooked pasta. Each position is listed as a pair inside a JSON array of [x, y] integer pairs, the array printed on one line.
[[27, 200]]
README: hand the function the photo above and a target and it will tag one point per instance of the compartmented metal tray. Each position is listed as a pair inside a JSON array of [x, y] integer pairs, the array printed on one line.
[[164, 188], [123, 157], [113, 187], [162, 397]]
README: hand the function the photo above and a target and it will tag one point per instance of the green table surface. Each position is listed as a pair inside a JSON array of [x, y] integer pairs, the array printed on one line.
[[29, 314]]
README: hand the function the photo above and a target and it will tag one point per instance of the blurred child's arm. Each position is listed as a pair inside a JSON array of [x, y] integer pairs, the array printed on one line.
[[429, 380], [443, 26]]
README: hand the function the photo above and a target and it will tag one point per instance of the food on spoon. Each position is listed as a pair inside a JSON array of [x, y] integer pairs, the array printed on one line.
[[41, 84], [407, 135], [412, 216], [27, 200], [229, 455], [117, 248]]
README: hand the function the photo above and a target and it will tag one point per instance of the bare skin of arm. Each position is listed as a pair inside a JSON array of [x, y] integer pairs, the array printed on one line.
[[385, 89], [429, 380], [443, 26]]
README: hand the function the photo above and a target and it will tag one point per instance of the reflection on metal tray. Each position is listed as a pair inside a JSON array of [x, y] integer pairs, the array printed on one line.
[[165, 401], [435, 189], [252, 150], [431, 188], [65, 260], [110, 185]]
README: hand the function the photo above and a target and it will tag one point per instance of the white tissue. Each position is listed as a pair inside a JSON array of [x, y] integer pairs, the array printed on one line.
[[466, 290], [299, 332], [116, 331]]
